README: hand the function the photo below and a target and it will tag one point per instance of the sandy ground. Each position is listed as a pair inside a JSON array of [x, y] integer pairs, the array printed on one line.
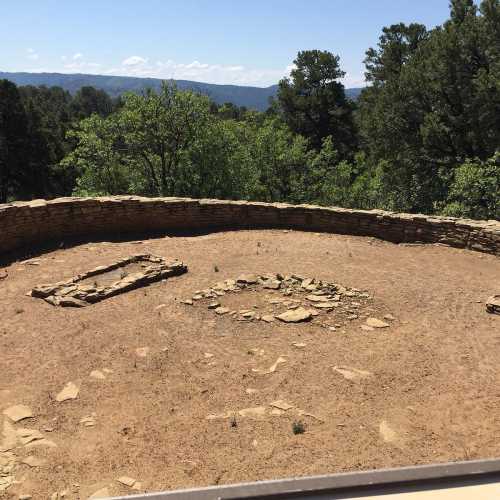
[[433, 394]]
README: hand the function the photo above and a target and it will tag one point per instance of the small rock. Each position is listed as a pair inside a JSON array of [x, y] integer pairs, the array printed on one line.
[[295, 316], [352, 373], [388, 434], [257, 412], [214, 305], [33, 461], [18, 412], [227, 414], [276, 301], [142, 352], [389, 317], [325, 305], [70, 391], [88, 421], [276, 412], [26, 436], [97, 374], [42, 442], [317, 298], [70, 302], [248, 315], [268, 318], [282, 405], [102, 493], [247, 279], [188, 302], [376, 323], [221, 310], [9, 437], [367, 328], [32, 262], [272, 285], [306, 282], [493, 304], [127, 481], [299, 345], [272, 369]]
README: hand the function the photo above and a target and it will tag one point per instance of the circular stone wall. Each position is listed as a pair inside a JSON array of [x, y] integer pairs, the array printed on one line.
[[25, 224]]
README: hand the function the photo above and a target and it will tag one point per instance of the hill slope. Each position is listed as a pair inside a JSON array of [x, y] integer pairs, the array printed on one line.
[[251, 97]]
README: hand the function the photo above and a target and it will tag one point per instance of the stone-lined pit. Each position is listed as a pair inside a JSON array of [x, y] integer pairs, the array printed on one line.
[[99, 283]]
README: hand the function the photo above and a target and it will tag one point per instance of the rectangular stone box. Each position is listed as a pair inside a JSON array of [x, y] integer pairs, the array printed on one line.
[[92, 286]]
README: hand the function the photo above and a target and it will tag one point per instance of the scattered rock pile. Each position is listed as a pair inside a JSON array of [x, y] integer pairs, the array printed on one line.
[[18, 445], [290, 299], [74, 293]]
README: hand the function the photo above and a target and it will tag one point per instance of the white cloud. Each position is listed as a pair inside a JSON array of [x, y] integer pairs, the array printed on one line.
[[32, 54], [352, 81], [198, 71], [81, 67], [134, 61], [235, 74], [211, 73]]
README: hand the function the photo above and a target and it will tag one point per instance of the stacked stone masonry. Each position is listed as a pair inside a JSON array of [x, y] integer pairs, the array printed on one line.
[[24, 225]]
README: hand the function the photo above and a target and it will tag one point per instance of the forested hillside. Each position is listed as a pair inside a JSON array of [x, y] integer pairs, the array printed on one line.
[[244, 96], [424, 136]]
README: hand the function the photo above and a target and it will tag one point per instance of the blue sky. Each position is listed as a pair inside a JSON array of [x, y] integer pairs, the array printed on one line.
[[250, 42]]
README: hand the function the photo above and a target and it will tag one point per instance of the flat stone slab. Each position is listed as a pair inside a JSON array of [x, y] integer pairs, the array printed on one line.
[[350, 373], [388, 434], [376, 323], [295, 316], [18, 412], [69, 391], [74, 293]]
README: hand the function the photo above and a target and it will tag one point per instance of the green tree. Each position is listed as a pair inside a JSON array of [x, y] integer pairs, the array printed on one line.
[[147, 137], [396, 46], [475, 190], [434, 102], [314, 103], [13, 134], [89, 100], [49, 118]]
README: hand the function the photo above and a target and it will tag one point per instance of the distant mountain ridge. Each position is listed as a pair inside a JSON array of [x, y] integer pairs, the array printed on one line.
[[251, 97]]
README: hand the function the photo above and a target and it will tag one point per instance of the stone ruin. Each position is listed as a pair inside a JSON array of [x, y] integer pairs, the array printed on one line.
[[291, 299], [101, 283]]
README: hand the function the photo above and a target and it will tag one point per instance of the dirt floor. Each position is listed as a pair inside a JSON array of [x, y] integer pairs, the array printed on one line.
[[160, 368]]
